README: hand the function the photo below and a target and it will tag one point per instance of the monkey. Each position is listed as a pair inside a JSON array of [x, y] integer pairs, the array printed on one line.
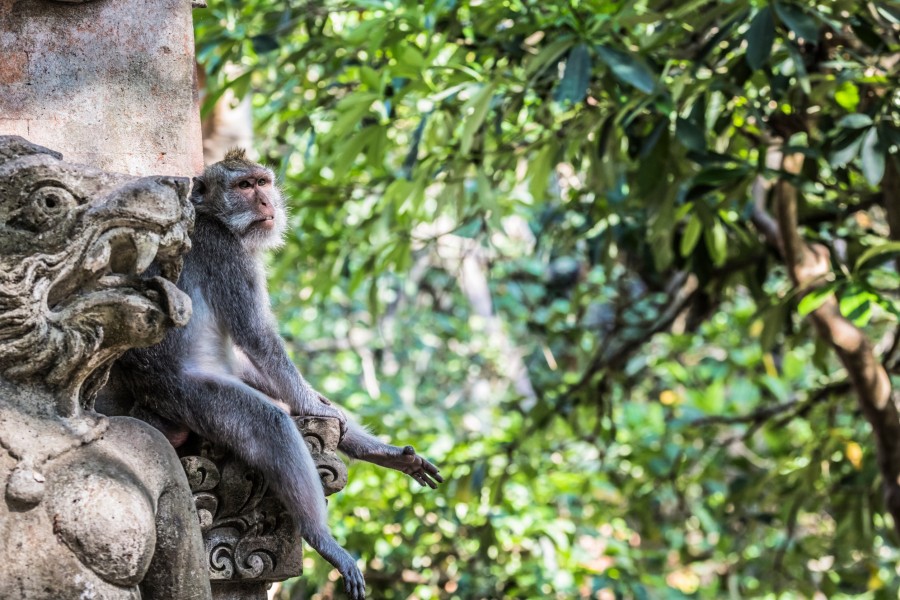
[[226, 375]]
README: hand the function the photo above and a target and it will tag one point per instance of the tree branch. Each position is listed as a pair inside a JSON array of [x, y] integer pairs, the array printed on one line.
[[808, 266]]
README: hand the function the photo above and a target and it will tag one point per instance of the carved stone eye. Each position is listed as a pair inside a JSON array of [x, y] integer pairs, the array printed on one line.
[[46, 206], [51, 200]]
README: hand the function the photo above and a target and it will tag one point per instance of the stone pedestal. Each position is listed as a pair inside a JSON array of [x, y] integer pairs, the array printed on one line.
[[251, 540], [108, 83]]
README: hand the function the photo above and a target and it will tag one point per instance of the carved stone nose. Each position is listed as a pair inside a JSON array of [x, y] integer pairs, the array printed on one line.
[[180, 184], [144, 199]]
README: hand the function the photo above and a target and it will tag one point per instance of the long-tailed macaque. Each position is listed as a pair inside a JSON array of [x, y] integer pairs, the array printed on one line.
[[223, 374]]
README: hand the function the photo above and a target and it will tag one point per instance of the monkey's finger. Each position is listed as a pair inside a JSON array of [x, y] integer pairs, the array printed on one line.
[[420, 479], [427, 478], [430, 468]]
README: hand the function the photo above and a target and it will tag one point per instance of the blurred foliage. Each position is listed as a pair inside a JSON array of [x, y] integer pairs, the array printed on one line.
[[566, 186]]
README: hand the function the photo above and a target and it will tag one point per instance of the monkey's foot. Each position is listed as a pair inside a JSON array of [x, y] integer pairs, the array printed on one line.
[[406, 461], [354, 583]]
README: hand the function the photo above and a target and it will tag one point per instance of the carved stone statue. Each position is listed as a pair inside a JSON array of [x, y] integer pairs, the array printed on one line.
[[93, 507]]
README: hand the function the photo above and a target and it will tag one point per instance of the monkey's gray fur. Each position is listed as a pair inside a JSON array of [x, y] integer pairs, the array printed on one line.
[[219, 375]]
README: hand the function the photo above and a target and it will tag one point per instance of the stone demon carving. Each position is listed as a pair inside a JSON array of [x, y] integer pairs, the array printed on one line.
[[93, 507]]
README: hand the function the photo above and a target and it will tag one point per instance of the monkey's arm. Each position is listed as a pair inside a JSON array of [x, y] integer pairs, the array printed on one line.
[[360, 444], [356, 443], [245, 312], [252, 376]]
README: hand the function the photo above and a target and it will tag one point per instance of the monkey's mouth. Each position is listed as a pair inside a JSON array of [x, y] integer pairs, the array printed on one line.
[[134, 268], [265, 223]]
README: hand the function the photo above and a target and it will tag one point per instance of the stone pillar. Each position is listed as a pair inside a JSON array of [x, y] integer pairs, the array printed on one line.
[[108, 83]]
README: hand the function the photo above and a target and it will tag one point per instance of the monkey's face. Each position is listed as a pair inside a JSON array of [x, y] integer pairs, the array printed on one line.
[[246, 201]]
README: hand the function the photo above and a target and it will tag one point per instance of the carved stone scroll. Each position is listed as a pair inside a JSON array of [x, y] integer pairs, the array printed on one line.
[[250, 538]]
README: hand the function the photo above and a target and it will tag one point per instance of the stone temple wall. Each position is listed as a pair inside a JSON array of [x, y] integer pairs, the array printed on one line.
[[108, 83]]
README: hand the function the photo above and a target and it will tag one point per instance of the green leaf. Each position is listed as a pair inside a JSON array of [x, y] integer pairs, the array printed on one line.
[[889, 306], [855, 121], [690, 135], [240, 82], [628, 68], [660, 234], [799, 68], [350, 146], [540, 169], [691, 234], [480, 104], [802, 24], [760, 38], [815, 299], [264, 43], [872, 155], [716, 242], [409, 56], [772, 326], [886, 248], [856, 305], [719, 176], [545, 57], [847, 96], [349, 118], [573, 86], [845, 150], [370, 77]]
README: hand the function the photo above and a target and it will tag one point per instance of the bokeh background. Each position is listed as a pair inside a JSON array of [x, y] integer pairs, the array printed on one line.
[[525, 239]]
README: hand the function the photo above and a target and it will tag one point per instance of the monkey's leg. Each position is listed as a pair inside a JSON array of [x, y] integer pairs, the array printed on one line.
[[175, 433], [360, 444], [228, 412]]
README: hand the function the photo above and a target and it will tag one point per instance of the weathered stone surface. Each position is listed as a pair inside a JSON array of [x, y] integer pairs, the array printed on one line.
[[250, 537], [109, 83], [93, 507]]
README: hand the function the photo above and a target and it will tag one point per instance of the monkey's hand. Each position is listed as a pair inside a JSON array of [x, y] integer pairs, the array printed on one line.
[[406, 461], [322, 407]]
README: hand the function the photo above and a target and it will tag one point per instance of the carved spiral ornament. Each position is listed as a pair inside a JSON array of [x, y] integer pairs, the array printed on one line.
[[248, 533]]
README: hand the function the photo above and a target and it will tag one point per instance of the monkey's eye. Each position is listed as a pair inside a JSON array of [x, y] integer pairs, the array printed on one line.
[[261, 182], [245, 185]]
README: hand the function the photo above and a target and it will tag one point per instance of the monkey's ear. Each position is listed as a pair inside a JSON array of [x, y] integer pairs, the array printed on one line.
[[198, 190]]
